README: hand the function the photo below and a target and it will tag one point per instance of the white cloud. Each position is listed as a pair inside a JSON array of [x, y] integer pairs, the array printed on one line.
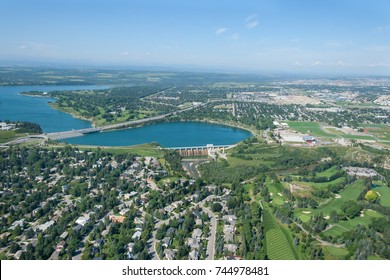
[[251, 21], [252, 24], [23, 46], [236, 36], [124, 53], [317, 63], [379, 65], [220, 30], [250, 18], [298, 63], [342, 63]]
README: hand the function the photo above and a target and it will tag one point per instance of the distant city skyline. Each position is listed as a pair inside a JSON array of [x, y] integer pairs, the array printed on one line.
[[335, 36]]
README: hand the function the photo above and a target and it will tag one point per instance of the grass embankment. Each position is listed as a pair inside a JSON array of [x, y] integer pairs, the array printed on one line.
[[6, 136], [141, 150]]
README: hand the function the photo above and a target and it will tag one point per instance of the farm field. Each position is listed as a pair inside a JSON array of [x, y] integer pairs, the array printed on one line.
[[278, 246]]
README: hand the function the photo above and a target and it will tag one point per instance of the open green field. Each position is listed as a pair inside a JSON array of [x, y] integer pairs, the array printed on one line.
[[312, 128], [141, 150], [358, 137], [264, 155], [332, 253], [322, 185], [328, 172], [277, 191], [380, 131], [344, 226], [384, 198], [350, 192], [256, 160], [6, 136], [278, 245]]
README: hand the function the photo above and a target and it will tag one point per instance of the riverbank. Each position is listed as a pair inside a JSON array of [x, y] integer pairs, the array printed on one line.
[[72, 112]]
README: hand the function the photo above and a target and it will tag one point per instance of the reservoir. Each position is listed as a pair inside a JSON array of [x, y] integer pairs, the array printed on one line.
[[172, 134], [17, 107]]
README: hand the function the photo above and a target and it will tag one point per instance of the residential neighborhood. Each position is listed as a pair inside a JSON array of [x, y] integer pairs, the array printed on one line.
[[84, 206]]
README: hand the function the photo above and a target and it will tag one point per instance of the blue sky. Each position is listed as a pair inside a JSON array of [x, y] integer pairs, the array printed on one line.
[[340, 36]]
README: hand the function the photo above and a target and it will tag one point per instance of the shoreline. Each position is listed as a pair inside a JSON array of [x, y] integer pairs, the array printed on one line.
[[77, 116]]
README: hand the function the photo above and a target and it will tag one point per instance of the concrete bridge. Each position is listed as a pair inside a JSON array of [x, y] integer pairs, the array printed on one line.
[[72, 133]]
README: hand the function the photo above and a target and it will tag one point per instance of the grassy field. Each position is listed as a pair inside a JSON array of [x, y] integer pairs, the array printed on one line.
[[384, 198], [350, 192], [381, 131], [312, 128], [141, 150], [332, 253], [6, 136], [328, 172], [344, 226], [358, 137], [264, 155], [278, 245], [277, 191], [322, 185]]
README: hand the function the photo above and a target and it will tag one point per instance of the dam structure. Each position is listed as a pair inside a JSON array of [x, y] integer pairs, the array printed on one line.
[[208, 150]]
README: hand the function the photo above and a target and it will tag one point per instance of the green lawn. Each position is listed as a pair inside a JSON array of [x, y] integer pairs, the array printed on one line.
[[276, 189], [328, 172], [322, 185], [344, 226], [335, 253], [358, 137], [141, 150], [384, 198], [278, 246], [313, 127], [6, 136], [350, 192]]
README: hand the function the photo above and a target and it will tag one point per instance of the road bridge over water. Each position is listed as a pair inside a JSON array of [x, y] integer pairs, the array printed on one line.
[[80, 132]]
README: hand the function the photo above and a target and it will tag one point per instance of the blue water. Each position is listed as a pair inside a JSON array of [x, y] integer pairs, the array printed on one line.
[[174, 134], [16, 107]]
